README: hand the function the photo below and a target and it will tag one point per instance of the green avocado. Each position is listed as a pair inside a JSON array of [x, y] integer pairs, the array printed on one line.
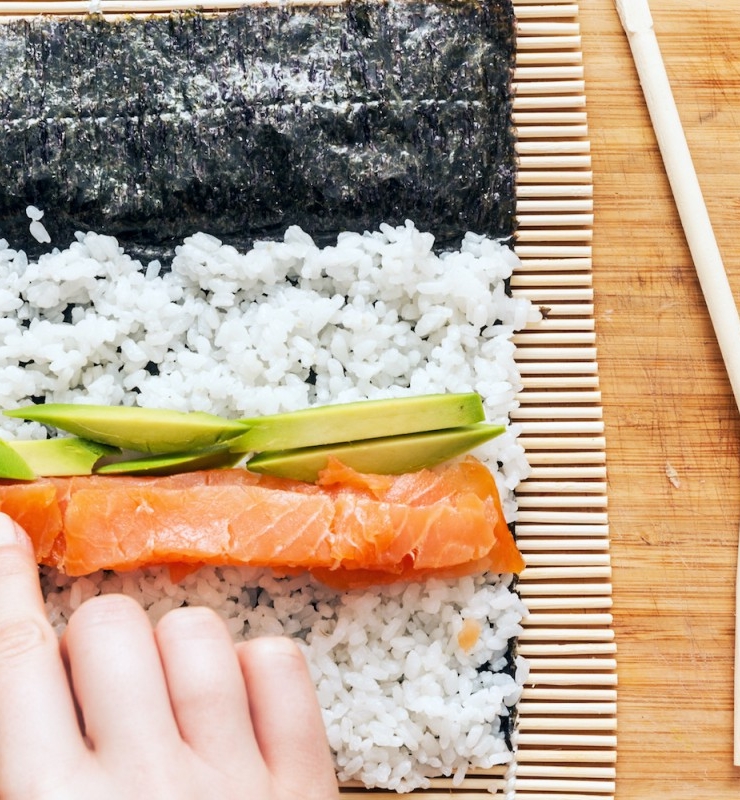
[[364, 419], [146, 430], [12, 465], [217, 457], [62, 456], [391, 455]]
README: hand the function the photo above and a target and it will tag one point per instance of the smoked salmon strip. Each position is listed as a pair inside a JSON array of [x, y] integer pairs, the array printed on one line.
[[348, 528]]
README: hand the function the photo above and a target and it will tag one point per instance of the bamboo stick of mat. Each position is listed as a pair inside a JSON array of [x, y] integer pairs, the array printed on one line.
[[638, 25]]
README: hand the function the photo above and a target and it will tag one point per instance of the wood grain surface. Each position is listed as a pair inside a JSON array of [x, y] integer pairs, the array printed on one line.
[[672, 426]]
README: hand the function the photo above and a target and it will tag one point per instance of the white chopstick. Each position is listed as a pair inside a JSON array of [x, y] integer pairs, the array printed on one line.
[[638, 25]]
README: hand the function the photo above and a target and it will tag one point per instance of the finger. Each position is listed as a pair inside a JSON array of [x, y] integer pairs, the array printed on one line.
[[286, 717], [205, 684], [38, 726], [117, 677]]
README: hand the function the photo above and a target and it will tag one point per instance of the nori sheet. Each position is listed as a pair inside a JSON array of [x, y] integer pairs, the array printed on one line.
[[330, 117]]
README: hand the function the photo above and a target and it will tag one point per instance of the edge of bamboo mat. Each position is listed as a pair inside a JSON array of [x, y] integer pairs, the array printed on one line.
[[566, 733], [566, 739]]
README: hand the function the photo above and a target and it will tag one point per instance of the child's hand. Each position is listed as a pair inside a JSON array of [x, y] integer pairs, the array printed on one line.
[[119, 711]]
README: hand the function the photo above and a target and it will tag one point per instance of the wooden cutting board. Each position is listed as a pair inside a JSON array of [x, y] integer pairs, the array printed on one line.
[[672, 426]]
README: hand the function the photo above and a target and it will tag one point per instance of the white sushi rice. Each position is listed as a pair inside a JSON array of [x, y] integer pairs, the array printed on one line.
[[36, 227], [286, 325]]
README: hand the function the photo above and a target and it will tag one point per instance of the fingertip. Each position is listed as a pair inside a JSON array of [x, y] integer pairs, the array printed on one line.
[[11, 533], [106, 611], [17, 557], [269, 647], [274, 655], [191, 619]]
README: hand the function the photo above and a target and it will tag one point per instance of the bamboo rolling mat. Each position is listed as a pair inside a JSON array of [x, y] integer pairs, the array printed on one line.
[[566, 737], [567, 728]]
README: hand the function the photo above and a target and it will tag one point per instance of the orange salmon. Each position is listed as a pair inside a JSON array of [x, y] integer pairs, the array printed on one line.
[[349, 529]]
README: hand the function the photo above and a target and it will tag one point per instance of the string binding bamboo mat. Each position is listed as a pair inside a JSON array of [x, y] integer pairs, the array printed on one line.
[[566, 737]]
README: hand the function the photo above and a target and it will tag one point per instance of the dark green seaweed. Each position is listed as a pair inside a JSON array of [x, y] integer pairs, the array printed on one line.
[[329, 117]]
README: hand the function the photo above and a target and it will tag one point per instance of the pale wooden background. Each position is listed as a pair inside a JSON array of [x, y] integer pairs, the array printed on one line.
[[667, 401]]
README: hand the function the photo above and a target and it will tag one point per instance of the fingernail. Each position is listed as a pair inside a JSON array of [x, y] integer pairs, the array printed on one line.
[[10, 533]]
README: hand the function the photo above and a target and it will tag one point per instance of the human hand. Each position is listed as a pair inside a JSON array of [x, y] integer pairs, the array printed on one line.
[[119, 711]]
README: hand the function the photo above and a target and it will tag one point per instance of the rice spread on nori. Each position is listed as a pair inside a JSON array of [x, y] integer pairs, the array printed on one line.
[[332, 117]]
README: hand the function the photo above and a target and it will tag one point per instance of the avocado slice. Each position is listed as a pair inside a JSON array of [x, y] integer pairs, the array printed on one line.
[[390, 455], [218, 457], [147, 430], [363, 419], [12, 465], [62, 456]]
